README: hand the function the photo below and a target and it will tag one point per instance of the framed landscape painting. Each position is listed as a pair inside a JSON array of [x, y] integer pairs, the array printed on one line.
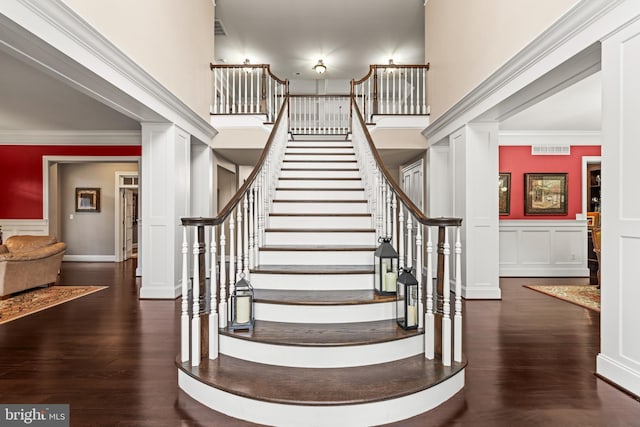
[[545, 194], [87, 200], [504, 193]]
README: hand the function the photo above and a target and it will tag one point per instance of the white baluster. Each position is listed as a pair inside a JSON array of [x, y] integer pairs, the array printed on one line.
[[261, 210], [394, 102], [409, 239], [213, 283], [457, 320], [394, 216], [195, 316], [184, 318], [429, 328], [258, 92], [386, 93], [226, 97], [232, 257], [240, 245], [245, 237], [401, 258], [214, 106], [388, 212], [380, 204], [222, 305], [423, 72], [245, 87], [446, 310], [405, 95], [251, 231], [413, 89], [383, 202], [419, 273]]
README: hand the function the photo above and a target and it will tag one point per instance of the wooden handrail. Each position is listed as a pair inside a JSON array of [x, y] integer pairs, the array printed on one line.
[[373, 67], [417, 213], [247, 183]]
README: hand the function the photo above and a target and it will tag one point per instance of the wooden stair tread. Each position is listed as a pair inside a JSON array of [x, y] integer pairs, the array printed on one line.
[[321, 386], [321, 169], [319, 214], [319, 178], [318, 161], [318, 201], [319, 154], [312, 297], [319, 248], [317, 189], [320, 230], [323, 335], [346, 147], [313, 269]]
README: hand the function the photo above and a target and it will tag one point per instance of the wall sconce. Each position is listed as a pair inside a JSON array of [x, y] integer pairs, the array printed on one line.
[[320, 68]]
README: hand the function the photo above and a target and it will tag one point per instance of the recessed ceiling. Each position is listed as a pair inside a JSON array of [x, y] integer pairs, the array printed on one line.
[[578, 108], [348, 35], [33, 100]]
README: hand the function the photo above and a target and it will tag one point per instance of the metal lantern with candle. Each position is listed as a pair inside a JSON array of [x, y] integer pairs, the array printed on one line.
[[385, 261], [407, 300], [242, 317]]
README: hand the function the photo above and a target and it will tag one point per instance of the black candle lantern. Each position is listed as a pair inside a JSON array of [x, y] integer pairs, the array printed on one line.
[[407, 300], [242, 317], [385, 263]]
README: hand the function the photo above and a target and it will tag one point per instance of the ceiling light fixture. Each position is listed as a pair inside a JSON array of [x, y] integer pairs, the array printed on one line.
[[390, 68], [320, 68], [247, 69]]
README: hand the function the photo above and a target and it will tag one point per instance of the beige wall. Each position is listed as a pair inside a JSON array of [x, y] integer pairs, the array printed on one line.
[[171, 39], [466, 41]]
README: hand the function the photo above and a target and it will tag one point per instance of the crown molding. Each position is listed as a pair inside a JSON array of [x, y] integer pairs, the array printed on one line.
[[576, 20], [91, 63], [64, 137]]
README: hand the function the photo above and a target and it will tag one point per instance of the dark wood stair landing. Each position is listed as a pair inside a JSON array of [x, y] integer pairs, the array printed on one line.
[[313, 269], [321, 386]]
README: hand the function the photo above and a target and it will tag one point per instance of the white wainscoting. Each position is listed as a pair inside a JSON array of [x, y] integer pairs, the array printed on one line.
[[543, 248], [12, 227]]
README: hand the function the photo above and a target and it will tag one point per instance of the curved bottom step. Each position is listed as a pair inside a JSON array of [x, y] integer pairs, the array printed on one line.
[[363, 396]]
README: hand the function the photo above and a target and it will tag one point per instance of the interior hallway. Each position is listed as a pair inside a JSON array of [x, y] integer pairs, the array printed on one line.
[[110, 356]]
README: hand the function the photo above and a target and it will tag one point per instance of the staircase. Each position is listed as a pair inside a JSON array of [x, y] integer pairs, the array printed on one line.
[[325, 350]]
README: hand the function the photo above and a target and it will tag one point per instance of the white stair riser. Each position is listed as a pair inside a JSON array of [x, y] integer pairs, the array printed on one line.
[[319, 157], [315, 282], [319, 183], [321, 357], [318, 173], [316, 258], [331, 142], [285, 415], [320, 207], [320, 222], [325, 314], [320, 194], [312, 149], [320, 165], [325, 238]]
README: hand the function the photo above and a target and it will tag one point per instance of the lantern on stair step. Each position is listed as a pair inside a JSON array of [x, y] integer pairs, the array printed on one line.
[[242, 317], [385, 263], [407, 300]]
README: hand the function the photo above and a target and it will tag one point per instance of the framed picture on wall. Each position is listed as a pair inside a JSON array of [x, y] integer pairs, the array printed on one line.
[[545, 194], [504, 193], [87, 200]]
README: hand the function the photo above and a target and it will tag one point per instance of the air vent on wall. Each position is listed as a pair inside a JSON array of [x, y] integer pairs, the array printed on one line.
[[550, 150], [219, 28]]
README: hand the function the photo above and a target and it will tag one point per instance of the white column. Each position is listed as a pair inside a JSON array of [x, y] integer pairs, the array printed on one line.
[[619, 358], [164, 190], [475, 170]]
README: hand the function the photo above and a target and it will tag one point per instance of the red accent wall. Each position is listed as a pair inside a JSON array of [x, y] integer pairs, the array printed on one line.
[[518, 160], [21, 174]]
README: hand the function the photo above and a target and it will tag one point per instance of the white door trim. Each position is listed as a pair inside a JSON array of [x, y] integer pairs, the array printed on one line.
[[586, 160], [118, 208]]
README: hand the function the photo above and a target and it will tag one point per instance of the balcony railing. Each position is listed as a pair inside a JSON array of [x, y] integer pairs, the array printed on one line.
[[247, 89], [319, 114], [392, 90]]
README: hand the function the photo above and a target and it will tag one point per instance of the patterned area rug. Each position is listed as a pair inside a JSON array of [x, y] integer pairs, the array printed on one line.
[[584, 296], [39, 299]]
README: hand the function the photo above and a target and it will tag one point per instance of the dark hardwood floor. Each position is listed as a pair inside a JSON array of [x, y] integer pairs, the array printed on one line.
[[111, 357]]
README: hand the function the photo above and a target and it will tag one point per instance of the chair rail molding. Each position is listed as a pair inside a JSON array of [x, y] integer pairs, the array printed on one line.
[[66, 137]]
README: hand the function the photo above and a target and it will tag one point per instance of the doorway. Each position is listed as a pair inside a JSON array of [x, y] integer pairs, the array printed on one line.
[[127, 215]]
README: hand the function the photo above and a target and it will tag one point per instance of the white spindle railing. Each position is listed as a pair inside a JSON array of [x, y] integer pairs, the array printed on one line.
[[244, 219], [319, 114], [247, 89], [395, 216], [392, 89]]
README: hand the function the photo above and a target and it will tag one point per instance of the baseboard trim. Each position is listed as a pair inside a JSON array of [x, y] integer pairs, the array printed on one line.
[[481, 293], [620, 376], [160, 292], [547, 271], [89, 258]]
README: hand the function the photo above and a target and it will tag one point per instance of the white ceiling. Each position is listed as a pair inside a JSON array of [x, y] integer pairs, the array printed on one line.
[[578, 107], [348, 35], [33, 100]]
